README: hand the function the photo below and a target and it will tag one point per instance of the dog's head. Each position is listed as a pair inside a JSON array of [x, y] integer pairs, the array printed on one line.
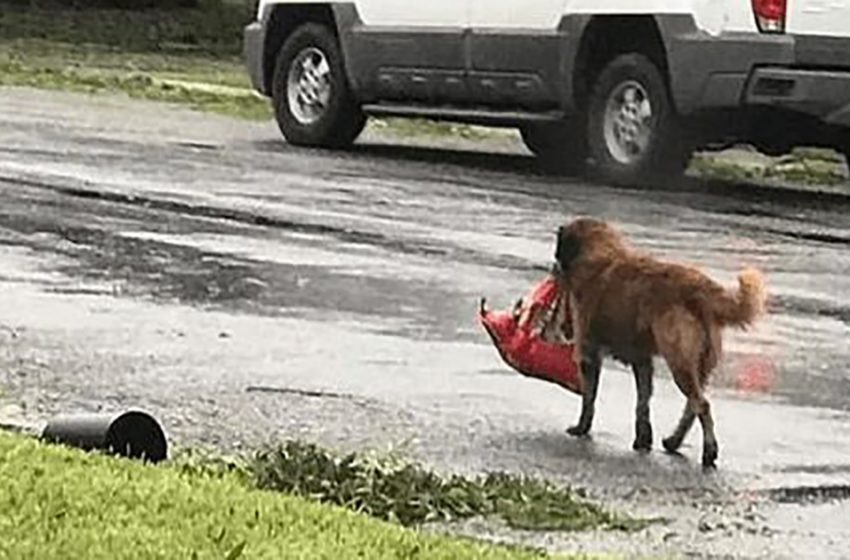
[[583, 237]]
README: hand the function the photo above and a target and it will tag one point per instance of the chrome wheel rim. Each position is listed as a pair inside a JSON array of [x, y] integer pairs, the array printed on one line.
[[309, 86], [628, 122]]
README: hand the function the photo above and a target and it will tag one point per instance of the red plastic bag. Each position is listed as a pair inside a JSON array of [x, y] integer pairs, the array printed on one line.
[[533, 337]]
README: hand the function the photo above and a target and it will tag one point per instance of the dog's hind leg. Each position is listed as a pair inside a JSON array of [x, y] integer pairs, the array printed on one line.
[[697, 407], [712, 347], [591, 366], [710, 449], [673, 442], [643, 427], [690, 386], [690, 352]]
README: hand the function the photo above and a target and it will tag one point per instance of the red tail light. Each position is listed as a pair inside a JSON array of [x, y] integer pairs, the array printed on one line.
[[770, 15]]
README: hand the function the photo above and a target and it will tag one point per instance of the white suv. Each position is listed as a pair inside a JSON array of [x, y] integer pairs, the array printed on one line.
[[633, 86]]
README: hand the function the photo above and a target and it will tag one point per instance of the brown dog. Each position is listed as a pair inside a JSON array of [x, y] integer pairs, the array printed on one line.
[[634, 307]]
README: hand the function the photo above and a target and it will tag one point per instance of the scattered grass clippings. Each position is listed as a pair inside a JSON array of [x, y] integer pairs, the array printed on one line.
[[395, 490]]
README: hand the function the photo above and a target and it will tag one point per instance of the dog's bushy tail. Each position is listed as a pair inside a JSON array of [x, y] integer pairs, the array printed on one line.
[[742, 307]]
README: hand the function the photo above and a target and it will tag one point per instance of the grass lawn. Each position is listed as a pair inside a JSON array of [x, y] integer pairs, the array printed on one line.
[[62, 503], [189, 56]]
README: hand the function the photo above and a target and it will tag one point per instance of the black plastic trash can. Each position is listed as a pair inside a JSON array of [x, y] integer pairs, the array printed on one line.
[[133, 434]]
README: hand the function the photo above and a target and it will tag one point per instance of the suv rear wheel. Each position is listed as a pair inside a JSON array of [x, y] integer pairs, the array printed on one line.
[[559, 147], [633, 131], [313, 102]]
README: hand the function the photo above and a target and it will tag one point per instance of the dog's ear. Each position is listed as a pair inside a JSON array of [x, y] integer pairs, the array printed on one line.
[[567, 248]]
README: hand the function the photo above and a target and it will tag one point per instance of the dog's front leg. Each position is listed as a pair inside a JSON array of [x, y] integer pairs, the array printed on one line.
[[577, 326], [591, 366], [643, 427]]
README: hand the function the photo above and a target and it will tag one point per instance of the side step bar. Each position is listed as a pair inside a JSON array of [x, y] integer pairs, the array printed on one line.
[[485, 117]]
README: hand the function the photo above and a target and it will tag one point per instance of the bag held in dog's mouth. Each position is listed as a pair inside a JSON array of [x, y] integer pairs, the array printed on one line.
[[533, 338]]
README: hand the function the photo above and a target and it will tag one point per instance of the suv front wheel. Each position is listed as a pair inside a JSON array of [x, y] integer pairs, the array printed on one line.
[[633, 131], [313, 102]]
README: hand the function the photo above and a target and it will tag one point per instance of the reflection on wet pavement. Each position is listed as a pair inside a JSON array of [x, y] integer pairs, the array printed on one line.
[[286, 267]]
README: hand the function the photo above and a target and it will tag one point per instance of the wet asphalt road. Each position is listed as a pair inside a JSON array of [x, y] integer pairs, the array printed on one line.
[[245, 291]]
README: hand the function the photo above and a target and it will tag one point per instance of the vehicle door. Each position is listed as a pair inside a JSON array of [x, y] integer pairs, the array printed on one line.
[[406, 50], [515, 51]]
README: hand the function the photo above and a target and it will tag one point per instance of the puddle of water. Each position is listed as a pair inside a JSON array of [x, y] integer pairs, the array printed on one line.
[[251, 274]]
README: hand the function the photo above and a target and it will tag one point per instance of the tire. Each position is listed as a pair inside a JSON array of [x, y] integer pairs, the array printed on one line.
[[652, 146], [560, 148], [845, 151], [331, 118]]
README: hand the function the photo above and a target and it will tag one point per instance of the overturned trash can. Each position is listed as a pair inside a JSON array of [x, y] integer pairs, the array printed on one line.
[[133, 434]]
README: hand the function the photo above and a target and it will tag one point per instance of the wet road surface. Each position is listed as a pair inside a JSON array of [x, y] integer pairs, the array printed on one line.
[[245, 291]]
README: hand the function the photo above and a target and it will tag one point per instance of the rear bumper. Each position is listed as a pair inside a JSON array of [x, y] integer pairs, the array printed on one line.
[[254, 37], [742, 71], [709, 72], [824, 94]]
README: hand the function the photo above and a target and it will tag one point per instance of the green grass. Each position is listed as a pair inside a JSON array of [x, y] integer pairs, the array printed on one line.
[[184, 84], [813, 167], [61, 503], [215, 28], [186, 56], [433, 129]]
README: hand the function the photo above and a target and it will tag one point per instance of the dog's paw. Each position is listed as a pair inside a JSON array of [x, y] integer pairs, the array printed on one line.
[[671, 444], [643, 442], [578, 431], [643, 436], [709, 456]]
